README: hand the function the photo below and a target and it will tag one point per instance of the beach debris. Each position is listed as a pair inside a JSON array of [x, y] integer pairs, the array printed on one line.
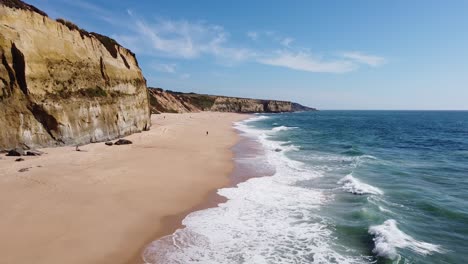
[[19, 159], [15, 152], [108, 143], [123, 142], [24, 169], [207, 133]]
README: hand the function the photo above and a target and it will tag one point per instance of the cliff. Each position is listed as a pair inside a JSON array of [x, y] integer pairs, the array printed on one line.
[[62, 85], [175, 102]]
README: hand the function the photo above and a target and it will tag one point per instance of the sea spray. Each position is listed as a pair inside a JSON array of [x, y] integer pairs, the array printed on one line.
[[387, 238], [355, 186]]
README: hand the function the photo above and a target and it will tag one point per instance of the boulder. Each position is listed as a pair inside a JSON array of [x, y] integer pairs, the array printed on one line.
[[108, 143], [123, 142], [33, 153], [19, 159], [15, 153]]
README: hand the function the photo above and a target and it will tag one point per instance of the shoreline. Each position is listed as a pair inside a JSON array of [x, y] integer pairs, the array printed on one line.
[[171, 223], [245, 149], [105, 204], [212, 199]]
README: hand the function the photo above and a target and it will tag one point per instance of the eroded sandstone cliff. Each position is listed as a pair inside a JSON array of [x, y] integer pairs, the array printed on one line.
[[62, 85], [174, 102]]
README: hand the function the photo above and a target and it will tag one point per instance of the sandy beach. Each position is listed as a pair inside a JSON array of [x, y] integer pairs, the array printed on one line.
[[105, 203]]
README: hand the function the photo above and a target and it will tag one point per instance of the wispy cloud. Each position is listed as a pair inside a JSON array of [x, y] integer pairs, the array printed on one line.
[[359, 57], [252, 35], [184, 76], [93, 10], [287, 42], [182, 39], [304, 61], [161, 67], [176, 40]]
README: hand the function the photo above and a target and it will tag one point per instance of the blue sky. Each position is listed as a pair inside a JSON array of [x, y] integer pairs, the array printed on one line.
[[325, 54]]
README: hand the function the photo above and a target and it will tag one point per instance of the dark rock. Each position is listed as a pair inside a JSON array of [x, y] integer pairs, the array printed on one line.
[[278, 150], [19, 159], [15, 153], [123, 142], [108, 143], [23, 169], [33, 153]]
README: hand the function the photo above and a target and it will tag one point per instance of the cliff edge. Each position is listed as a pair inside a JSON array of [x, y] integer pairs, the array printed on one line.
[[62, 85], [175, 102]]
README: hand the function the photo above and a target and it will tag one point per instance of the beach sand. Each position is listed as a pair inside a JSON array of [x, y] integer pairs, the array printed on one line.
[[105, 203]]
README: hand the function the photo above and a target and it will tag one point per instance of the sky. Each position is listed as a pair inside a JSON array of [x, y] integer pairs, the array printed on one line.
[[326, 54]]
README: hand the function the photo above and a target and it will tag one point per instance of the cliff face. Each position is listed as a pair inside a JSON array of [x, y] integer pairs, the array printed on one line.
[[164, 102], [244, 105], [173, 102], [62, 85]]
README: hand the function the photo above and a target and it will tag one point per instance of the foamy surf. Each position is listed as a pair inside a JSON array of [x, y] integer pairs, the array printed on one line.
[[265, 220], [282, 128], [388, 238], [355, 186], [303, 212]]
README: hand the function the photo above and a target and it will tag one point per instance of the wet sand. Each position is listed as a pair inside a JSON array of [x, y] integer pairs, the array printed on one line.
[[105, 203], [249, 162]]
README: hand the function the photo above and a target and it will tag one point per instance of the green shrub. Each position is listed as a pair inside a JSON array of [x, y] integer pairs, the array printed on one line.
[[93, 92], [204, 102], [70, 25]]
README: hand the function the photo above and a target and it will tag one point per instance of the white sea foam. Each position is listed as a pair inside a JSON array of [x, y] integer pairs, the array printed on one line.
[[282, 128], [376, 200], [387, 238], [287, 147], [255, 118], [352, 162], [265, 220], [355, 186], [383, 209], [368, 157]]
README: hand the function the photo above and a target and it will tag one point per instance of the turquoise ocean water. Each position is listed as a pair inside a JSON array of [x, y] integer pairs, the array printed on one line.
[[347, 187]]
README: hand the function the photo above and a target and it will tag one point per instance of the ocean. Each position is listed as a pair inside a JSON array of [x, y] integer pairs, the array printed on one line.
[[337, 187]]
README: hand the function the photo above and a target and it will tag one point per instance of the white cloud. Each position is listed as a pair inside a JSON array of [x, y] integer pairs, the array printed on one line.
[[182, 39], [287, 42], [168, 68], [184, 76], [359, 57], [304, 61], [252, 35]]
